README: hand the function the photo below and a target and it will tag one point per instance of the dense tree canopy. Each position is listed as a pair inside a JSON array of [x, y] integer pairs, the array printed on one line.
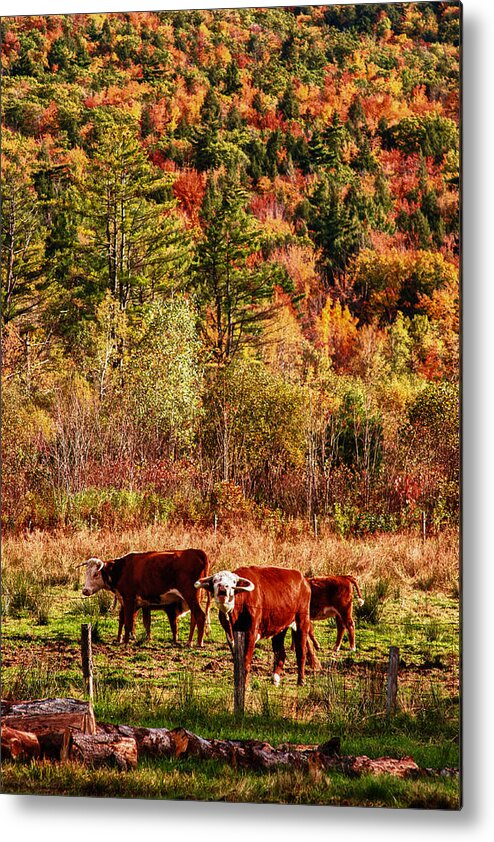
[[230, 243]]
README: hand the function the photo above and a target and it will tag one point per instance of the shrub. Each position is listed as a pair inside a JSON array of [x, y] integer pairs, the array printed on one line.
[[375, 598], [22, 594], [34, 679], [112, 507]]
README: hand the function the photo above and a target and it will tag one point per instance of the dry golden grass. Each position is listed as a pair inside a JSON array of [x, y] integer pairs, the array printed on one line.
[[402, 558]]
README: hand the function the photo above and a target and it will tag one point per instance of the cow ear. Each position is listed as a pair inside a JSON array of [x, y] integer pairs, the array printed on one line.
[[206, 583], [244, 585]]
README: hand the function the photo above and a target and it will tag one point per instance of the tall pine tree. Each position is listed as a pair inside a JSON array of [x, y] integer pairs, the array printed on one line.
[[136, 245], [233, 289]]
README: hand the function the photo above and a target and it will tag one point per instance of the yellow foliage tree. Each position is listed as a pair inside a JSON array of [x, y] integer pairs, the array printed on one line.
[[337, 333]]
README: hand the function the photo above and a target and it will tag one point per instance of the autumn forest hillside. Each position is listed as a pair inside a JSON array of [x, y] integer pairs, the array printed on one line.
[[230, 267]]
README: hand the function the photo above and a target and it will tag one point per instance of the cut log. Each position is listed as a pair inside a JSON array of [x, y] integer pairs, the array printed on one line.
[[66, 729], [258, 755], [151, 742], [101, 750], [19, 745], [46, 714], [404, 767], [49, 719]]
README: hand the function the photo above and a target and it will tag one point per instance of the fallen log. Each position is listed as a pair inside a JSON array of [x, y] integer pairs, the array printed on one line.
[[19, 745], [49, 720], [258, 755], [66, 729], [99, 750]]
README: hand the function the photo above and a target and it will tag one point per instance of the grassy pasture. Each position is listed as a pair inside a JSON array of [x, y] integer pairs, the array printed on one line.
[[411, 592]]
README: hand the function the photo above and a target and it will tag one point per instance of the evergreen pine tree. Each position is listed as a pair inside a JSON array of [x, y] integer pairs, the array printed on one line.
[[235, 293]]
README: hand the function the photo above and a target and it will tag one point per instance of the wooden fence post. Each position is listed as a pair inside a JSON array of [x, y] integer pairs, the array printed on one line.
[[239, 672], [87, 659], [392, 683]]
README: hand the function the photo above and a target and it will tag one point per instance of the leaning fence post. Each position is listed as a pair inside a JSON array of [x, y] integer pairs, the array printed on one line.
[[239, 672], [87, 659], [392, 683]]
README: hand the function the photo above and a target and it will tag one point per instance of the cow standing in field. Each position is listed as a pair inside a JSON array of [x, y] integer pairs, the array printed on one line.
[[144, 580], [332, 596], [263, 602]]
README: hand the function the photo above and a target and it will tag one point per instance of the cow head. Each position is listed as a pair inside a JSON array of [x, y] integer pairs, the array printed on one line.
[[94, 580], [224, 585]]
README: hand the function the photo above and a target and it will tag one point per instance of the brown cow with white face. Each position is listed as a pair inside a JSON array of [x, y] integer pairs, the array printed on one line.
[[263, 602], [144, 580]]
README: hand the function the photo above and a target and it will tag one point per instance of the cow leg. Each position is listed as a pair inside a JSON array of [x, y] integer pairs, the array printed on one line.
[[227, 626], [350, 627], [340, 631], [278, 644], [129, 613], [199, 618], [351, 635], [313, 661], [301, 641], [120, 624], [250, 643], [172, 614], [313, 637], [191, 629], [146, 621], [207, 613]]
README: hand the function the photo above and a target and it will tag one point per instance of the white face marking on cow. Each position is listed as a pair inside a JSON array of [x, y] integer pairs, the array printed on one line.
[[94, 580], [276, 679], [225, 585], [224, 590]]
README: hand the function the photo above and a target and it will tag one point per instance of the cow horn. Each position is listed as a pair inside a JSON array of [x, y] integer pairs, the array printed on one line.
[[244, 585], [204, 583], [99, 564]]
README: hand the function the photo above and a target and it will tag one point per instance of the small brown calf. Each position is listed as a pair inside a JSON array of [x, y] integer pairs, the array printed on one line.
[[332, 596]]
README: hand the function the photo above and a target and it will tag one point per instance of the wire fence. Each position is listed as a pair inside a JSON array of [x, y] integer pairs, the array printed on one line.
[[428, 664]]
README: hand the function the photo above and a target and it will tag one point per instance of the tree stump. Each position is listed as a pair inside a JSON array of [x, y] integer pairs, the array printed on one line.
[[49, 720]]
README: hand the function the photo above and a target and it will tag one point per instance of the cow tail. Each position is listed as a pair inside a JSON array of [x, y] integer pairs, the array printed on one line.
[[355, 585]]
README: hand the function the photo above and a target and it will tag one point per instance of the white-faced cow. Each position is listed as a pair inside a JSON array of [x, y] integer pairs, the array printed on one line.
[[332, 596], [152, 579], [263, 602]]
